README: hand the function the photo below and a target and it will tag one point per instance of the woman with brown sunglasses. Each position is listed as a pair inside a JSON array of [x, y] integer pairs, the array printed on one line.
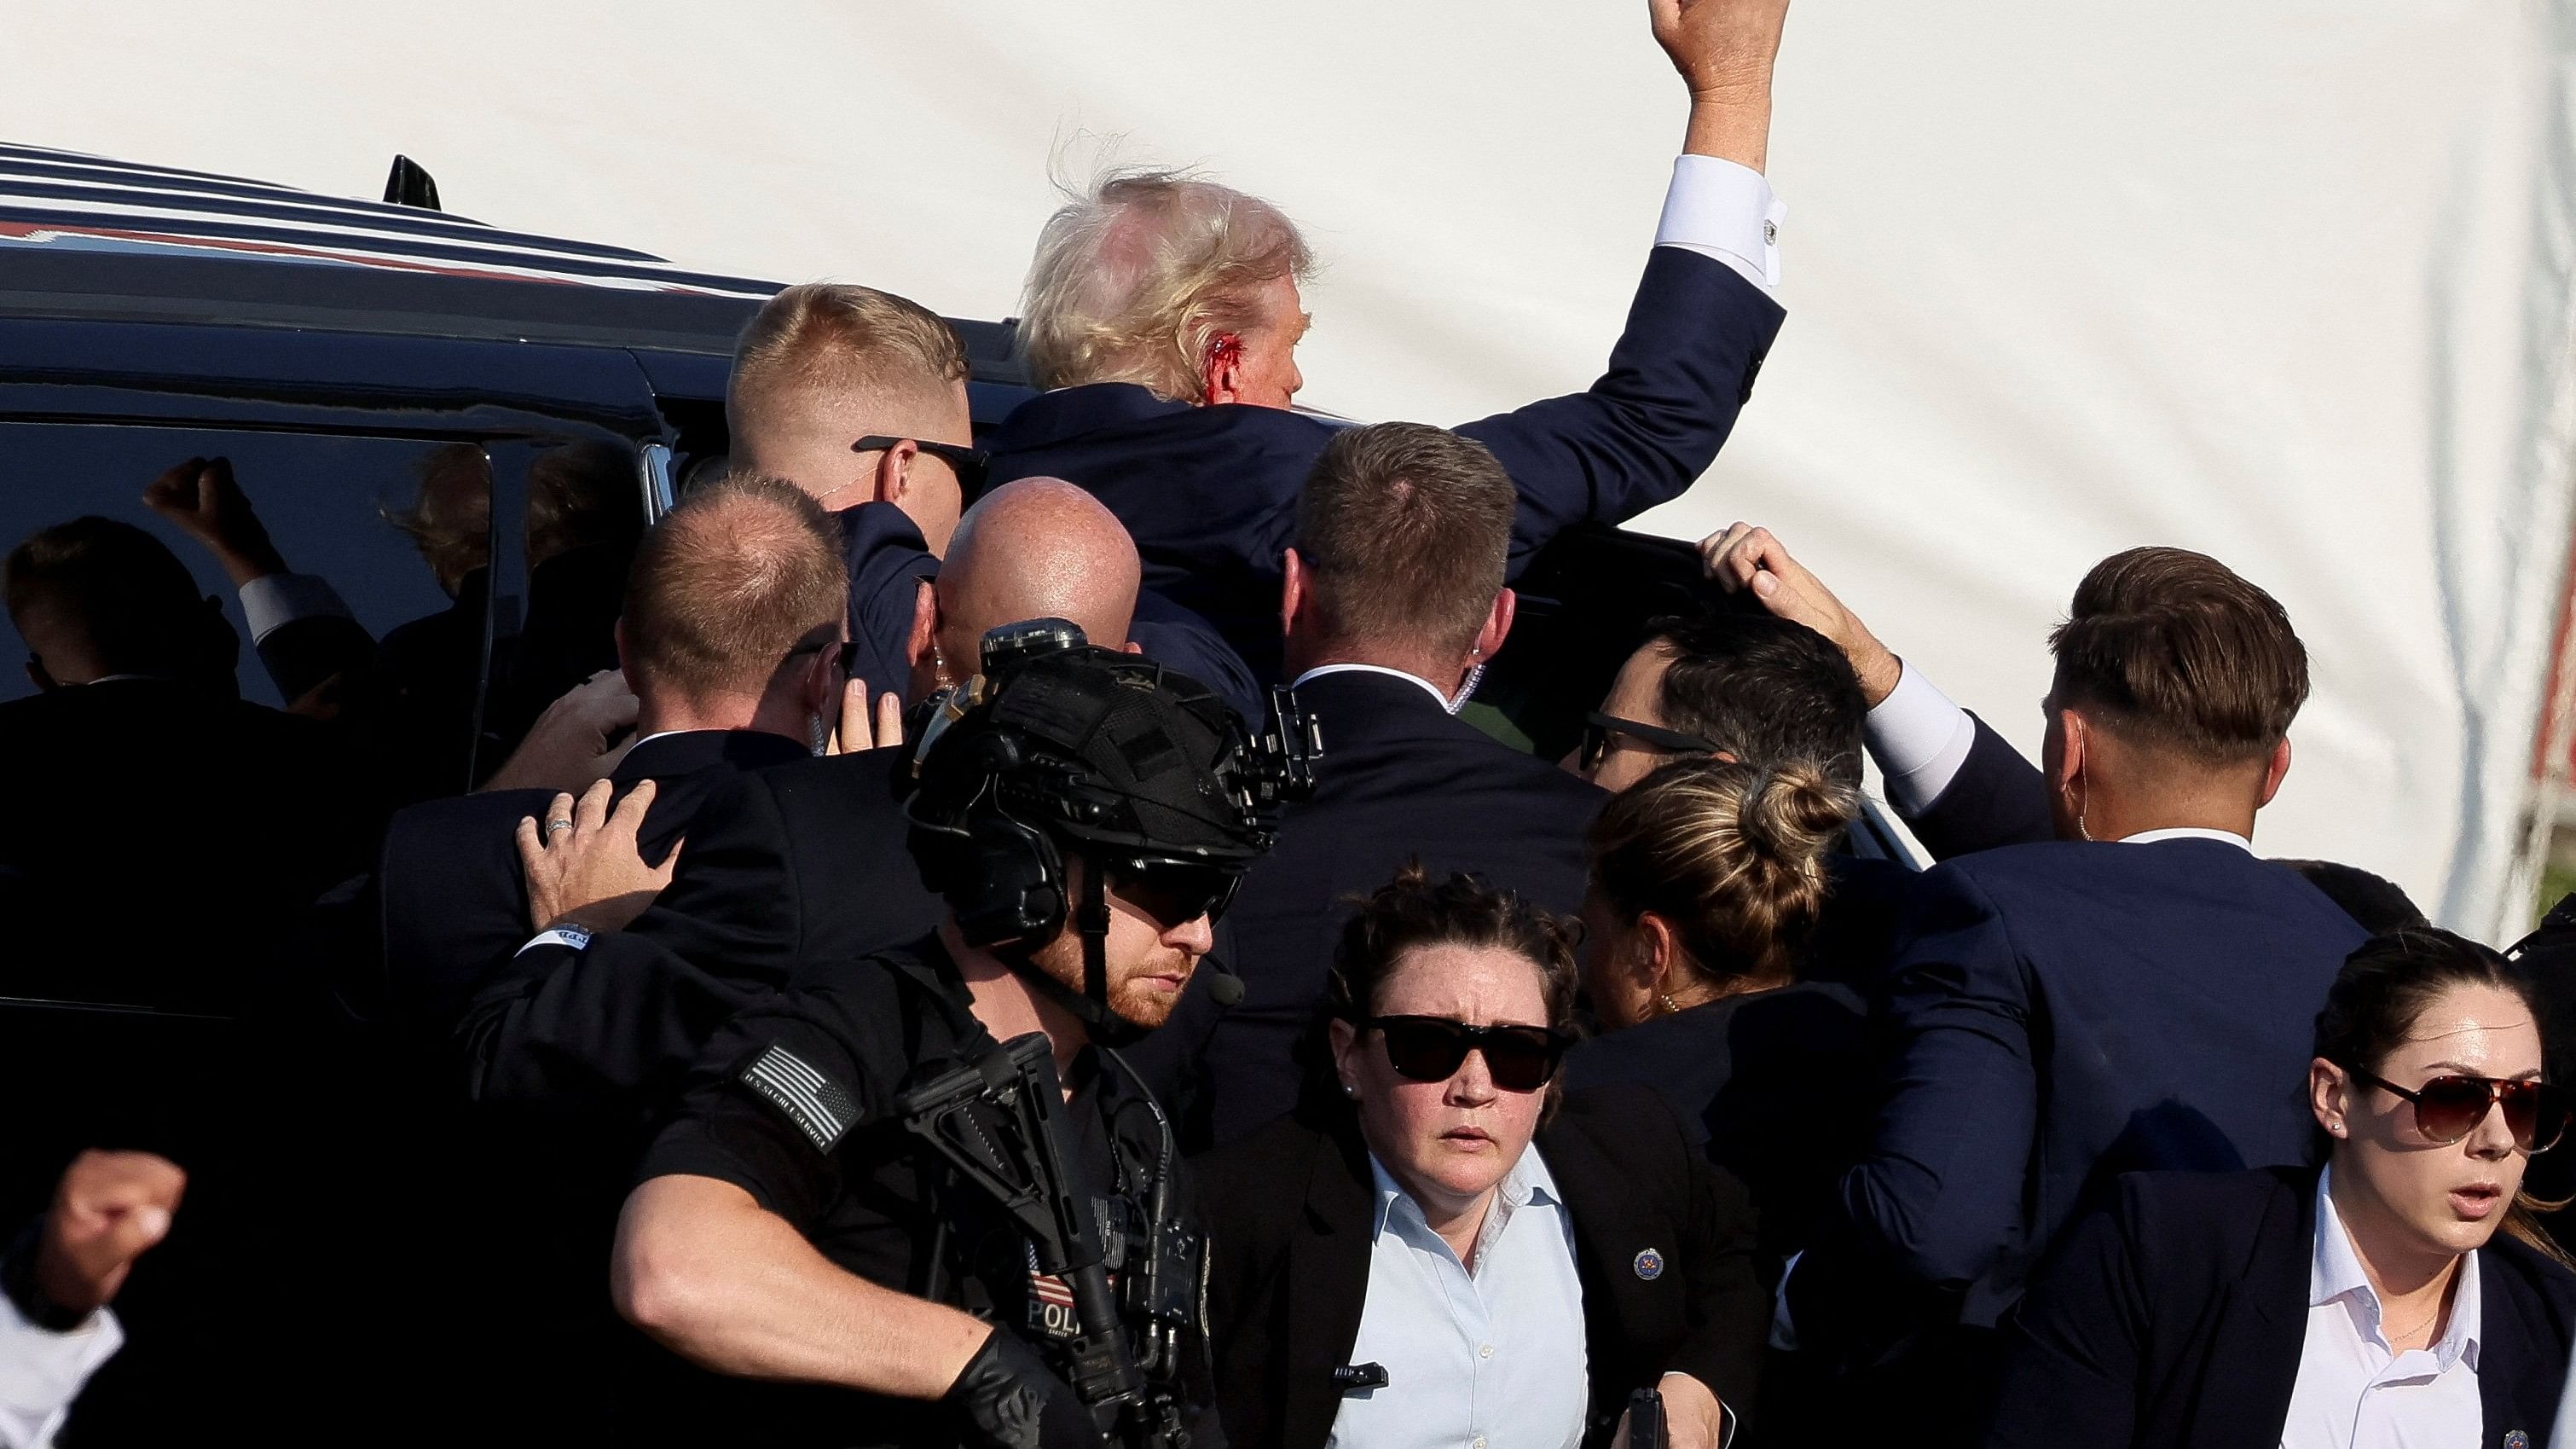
[[1443, 1247], [2396, 1295]]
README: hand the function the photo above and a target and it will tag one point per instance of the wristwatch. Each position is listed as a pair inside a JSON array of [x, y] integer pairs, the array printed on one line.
[[18, 1281]]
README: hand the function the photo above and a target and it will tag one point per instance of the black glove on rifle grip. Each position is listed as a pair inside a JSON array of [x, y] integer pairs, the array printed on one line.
[[1010, 1399]]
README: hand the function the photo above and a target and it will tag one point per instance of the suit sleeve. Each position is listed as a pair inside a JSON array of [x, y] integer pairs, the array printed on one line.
[[1940, 1193], [2070, 1350], [1996, 799], [624, 1014], [1653, 422]]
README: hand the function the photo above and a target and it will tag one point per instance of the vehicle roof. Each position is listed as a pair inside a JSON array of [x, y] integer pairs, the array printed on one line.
[[88, 237]]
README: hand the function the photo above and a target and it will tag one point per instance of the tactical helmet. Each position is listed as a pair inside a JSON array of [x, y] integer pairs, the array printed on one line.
[[1060, 746]]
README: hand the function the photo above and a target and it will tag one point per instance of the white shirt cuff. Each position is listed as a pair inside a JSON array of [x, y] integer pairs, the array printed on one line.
[[574, 936], [272, 600], [1723, 210], [42, 1372], [1920, 739]]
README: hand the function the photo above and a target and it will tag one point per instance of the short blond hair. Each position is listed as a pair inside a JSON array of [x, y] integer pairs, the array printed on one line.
[[1135, 277], [835, 339]]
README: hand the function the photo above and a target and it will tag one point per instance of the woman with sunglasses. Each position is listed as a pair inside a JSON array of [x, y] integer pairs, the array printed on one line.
[[2394, 1296], [1708, 879], [1442, 1248]]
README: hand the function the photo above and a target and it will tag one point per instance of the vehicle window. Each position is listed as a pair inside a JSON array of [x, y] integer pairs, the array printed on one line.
[[393, 535]]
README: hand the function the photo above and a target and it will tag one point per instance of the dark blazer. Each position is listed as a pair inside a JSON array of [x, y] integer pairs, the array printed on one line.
[[802, 862], [1997, 798], [165, 838], [2175, 1317], [1210, 492], [1401, 779], [1773, 1086], [454, 904], [1290, 1210], [2093, 1008]]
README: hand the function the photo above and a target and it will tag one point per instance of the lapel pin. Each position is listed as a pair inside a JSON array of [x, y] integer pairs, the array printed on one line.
[[1650, 1266], [2516, 1439]]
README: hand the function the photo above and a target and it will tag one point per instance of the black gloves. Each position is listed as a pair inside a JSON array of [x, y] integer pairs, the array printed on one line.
[[1011, 1400]]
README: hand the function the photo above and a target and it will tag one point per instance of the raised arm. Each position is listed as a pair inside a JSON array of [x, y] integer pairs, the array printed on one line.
[[1703, 318], [1957, 784]]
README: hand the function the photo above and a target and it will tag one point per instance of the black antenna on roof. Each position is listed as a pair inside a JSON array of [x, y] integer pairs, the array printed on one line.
[[409, 184]]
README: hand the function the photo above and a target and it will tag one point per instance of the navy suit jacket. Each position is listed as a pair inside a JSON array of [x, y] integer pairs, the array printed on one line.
[[1997, 798], [453, 904], [2175, 1317], [2069, 1011], [1210, 493], [888, 561], [1401, 779]]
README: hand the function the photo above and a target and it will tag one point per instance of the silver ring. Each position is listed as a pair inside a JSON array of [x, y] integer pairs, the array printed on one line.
[[554, 825]]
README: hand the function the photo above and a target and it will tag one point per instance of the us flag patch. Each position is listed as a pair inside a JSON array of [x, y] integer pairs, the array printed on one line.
[[1051, 1309], [814, 1102]]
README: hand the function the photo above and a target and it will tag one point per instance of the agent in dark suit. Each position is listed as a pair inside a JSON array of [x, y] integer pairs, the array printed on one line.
[[1394, 595], [2126, 997], [1709, 878], [1170, 382], [1607, 1256], [2372, 1302], [805, 866], [166, 834]]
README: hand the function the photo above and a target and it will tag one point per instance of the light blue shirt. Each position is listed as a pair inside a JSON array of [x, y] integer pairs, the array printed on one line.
[[1491, 1359]]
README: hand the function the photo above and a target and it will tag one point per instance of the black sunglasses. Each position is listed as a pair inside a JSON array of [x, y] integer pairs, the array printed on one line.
[[1432, 1048], [968, 463], [2449, 1108], [1599, 727], [1174, 892]]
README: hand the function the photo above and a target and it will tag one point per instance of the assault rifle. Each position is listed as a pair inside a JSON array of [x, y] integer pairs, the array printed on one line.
[[999, 1121]]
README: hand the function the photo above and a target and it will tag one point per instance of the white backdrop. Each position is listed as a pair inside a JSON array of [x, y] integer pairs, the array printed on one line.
[[2285, 280]]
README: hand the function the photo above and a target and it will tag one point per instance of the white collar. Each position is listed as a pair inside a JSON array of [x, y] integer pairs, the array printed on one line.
[[2189, 832], [1320, 670], [1528, 1181], [2335, 1271]]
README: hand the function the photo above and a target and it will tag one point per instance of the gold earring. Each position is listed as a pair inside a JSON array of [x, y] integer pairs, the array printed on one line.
[[1670, 1006]]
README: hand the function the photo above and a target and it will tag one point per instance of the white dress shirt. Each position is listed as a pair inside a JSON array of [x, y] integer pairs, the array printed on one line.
[[1919, 738], [1723, 210], [1489, 1359], [41, 1372], [2352, 1391]]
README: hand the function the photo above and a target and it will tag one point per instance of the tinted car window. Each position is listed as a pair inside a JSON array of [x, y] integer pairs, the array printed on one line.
[[334, 506]]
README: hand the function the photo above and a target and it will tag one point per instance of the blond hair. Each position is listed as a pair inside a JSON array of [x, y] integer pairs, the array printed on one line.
[[834, 339], [1135, 277], [1730, 855]]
